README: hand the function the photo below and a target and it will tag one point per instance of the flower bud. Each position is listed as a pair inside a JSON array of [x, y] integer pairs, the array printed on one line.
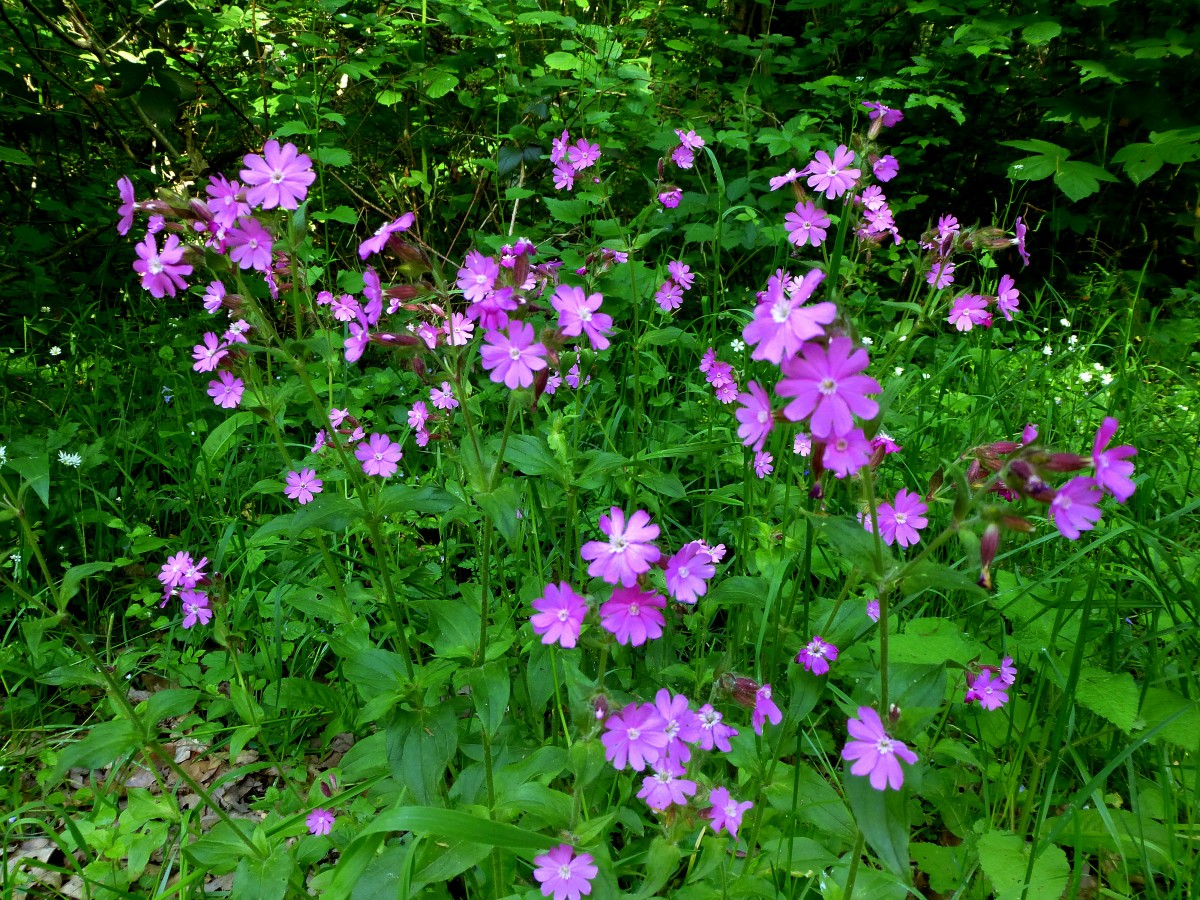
[[936, 480], [520, 270], [418, 366], [389, 339], [406, 292], [1029, 434], [409, 253], [992, 238], [876, 127], [989, 544], [893, 714], [600, 706], [1017, 523], [743, 690], [1066, 462]]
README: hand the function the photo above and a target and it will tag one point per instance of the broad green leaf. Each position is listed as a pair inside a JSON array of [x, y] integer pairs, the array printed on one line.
[[1117, 832], [943, 865], [73, 580], [1041, 32], [13, 156], [851, 541], [882, 816], [1079, 179], [169, 704], [343, 214], [375, 672], [428, 499], [531, 455], [489, 692], [36, 471], [419, 747], [933, 641], [332, 156], [459, 824], [441, 84], [103, 745], [327, 512], [223, 438], [569, 212], [1113, 696], [220, 850], [1183, 729], [264, 879], [1005, 859], [564, 62]]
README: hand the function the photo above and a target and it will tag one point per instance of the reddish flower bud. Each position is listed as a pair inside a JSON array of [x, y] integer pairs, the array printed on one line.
[[600, 706], [989, 544], [389, 339], [520, 270], [409, 253], [1066, 462], [1017, 523], [404, 292], [418, 366], [744, 690]]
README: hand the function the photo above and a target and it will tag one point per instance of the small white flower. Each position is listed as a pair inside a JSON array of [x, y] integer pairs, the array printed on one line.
[[1058, 401], [1106, 379], [898, 371], [1046, 351], [1085, 377], [74, 460], [902, 338], [868, 342], [1065, 323], [925, 376], [54, 351], [1072, 341], [737, 345], [3, 454], [45, 309], [1098, 367]]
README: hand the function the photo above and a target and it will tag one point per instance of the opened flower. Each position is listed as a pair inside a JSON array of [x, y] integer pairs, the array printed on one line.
[[629, 550], [280, 177], [833, 176], [227, 391], [577, 313], [725, 812], [1113, 470], [688, 572], [559, 616], [319, 821], [302, 485], [817, 655], [633, 616], [162, 272], [806, 224], [874, 752], [634, 737], [512, 358], [1076, 507], [379, 455], [827, 386], [901, 522], [564, 874]]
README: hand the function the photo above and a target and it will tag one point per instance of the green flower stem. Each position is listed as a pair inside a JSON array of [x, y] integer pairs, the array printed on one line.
[[852, 876]]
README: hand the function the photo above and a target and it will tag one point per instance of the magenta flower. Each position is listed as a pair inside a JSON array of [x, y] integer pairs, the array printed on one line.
[[765, 709], [683, 157], [847, 453], [250, 245], [990, 690], [376, 242], [225, 201], [303, 485], [208, 354], [832, 175], [512, 358], [873, 610], [670, 197], [1008, 672], [669, 296], [214, 297], [762, 464], [886, 441], [493, 308], [683, 725], [561, 873], [900, 522], [634, 737], [319, 821], [725, 812], [478, 276], [227, 392], [886, 168], [173, 570], [162, 273], [713, 730], [806, 225], [379, 456], [1020, 228], [968, 311], [1113, 471], [128, 204], [689, 139], [443, 397], [787, 178], [874, 753], [583, 155], [941, 275], [629, 550], [418, 415], [802, 445], [633, 615], [755, 416], [688, 572], [559, 616], [817, 655], [781, 322], [280, 177], [826, 385], [564, 176], [1007, 297], [558, 147], [577, 313], [681, 274], [891, 117], [195, 608], [666, 786], [1076, 507]]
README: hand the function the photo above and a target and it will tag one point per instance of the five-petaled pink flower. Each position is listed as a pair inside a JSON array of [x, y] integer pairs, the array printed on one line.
[[666, 786], [670, 197], [874, 752], [577, 313], [478, 276], [376, 242], [1076, 507], [629, 550], [846, 453], [303, 485], [891, 117], [763, 464], [1113, 470], [512, 358], [280, 177], [128, 204], [754, 414], [227, 392], [725, 812], [782, 323], [443, 397], [989, 689], [968, 311], [713, 730], [900, 522], [765, 709], [633, 616], [559, 616], [1007, 297], [162, 272], [250, 244], [209, 354], [379, 455], [681, 274], [688, 572], [196, 610], [319, 821], [806, 224], [826, 385], [564, 874], [817, 655], [832, 175], [636, 737]]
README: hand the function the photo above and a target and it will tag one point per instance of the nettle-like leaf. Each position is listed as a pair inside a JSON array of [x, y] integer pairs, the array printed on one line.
[[1005, 859], [1075, 178]]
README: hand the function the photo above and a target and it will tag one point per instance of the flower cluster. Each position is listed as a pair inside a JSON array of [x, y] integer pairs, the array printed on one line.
[[720, 375], [183, 576], [683, 156], [570, 159], [669, 295], [989, 687]]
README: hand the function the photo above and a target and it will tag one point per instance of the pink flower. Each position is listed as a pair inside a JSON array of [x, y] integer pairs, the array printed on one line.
[[564, 176], [195, 608], [558, 147], [418, 415], [891, 117], [1076, 507], [577, 313], [629, 550], [817, 655], [806, 225], [224, 201], [765, 709], [1020, 228], [459, 330], [688, 572], [1008, 672], [666, 787], [670, 197], [901, 522], [847, 453], [376, 242], [1007, 297], [634, 737], [583, 155], [787, 178], [802, 445], [303, 485], [990, 690], [1113, 471], [172, 572], [713, 731], [128, 204], [941, 275], [886, 441], [873, 610], [319, 821], [683, 725], [781, 322], [561, 873], [633, 615], [250, 245], [214, 297], [379, 456], [443, 397], [478, 276], [493, 308], [826, 385], [968, 311], [689, 139], [209, 354], [762, 464], [725, 812], [681, 274], [319, 442], [755, 416], [683, 157], [559, 616], [886, 168], [874, 753], [512, 358], [832, 175], [162, 273], [227, 392], [669, 296], [280, 177]]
